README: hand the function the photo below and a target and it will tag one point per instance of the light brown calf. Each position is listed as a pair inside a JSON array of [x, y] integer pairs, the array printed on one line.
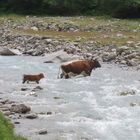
[[33, 78]]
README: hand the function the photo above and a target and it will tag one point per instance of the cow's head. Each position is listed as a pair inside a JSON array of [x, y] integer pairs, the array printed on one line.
[[41, 75], [96, 63]]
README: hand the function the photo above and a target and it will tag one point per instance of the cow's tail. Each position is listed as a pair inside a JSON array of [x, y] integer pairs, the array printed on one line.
[[58, 73]]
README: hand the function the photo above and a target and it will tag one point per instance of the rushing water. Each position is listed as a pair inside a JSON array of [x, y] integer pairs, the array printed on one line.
[[87, 108]]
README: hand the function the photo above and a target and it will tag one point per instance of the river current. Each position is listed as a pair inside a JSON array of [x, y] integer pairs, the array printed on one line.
[[84, 108]]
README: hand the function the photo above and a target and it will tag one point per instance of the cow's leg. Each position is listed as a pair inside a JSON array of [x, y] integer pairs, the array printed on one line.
[[84, 73], [88, 72], [67, 76], [61, 75], [23, 81]]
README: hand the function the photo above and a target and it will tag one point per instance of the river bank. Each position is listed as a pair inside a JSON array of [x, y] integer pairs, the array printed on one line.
[[109, 40], [6, 130]]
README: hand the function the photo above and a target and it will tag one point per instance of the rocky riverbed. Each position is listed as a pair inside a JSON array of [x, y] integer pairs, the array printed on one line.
[[40, 36]]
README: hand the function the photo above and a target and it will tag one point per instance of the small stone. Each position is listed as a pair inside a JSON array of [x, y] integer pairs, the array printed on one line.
[[49, 113], [31, 116], [133, 104], [37, 88], [5, 101], [56, 97], [125, 93], [16, 122], [24, 89], [34, 28], [42, 132]]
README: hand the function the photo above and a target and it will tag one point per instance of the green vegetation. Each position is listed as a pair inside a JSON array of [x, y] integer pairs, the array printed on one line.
[[6, 130], [104, 31], [115, 8]]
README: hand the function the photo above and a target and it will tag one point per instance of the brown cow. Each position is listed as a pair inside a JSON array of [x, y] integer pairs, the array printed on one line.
[[35, 78], [77, 67]]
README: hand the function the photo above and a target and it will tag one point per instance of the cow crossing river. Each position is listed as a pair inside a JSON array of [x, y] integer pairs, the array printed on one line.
[[85, 108]]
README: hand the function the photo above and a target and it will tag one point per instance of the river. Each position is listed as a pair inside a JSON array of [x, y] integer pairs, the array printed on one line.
[[85, 108]]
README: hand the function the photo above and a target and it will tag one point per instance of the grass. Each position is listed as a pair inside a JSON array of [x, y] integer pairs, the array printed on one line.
[[104, 38], [6, 130]]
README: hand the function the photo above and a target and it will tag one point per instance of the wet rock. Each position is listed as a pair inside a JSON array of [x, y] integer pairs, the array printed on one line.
[[133, 104], [24, 89], [38, 88], [16, 122], [49, 61], [125, 93], [21, 108], [56, 97], [7, 113], [49, 113], [6, 101], [31, 116], [42, 132], [32, 94], [83, 138]]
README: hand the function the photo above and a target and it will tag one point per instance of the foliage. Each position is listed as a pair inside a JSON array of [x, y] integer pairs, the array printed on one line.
[[6, 130], [116, 8], [121, 8]]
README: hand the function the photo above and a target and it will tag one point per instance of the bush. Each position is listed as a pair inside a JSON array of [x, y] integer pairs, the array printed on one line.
[[115, 8]]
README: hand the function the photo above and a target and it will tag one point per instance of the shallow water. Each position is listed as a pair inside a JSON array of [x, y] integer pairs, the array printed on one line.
[[86, 108]]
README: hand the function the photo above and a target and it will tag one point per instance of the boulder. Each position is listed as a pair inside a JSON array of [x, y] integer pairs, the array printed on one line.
[[34, 28], [60, 57], [42, 132], [122, 49], [7, 52], [107, 57], [21, 108]]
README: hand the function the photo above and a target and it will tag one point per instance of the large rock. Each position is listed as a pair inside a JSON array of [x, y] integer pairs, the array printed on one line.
[[31, 116], [60, 56], [122, 49], [6, 51], [107, 57], [21, 108]]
